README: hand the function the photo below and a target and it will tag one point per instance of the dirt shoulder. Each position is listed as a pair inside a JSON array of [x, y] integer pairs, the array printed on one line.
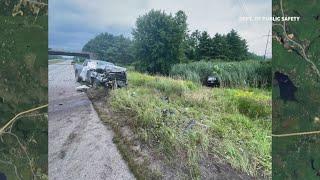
[[80, 144]]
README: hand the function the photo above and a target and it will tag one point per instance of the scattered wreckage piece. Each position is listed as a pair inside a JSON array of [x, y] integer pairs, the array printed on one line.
[[82, 88], [101, 73]]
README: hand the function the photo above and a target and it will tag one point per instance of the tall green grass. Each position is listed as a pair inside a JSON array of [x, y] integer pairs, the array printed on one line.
[[232, 124], [231, 74], [161, 83]]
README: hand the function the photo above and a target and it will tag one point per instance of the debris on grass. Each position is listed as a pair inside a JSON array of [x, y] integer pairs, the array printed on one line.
[[82, 88], [185, 130]]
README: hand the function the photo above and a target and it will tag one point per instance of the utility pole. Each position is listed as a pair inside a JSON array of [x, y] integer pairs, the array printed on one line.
[[265, 51]]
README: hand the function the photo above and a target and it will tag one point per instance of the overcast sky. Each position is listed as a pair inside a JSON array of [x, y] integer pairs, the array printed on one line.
[[73, 22]]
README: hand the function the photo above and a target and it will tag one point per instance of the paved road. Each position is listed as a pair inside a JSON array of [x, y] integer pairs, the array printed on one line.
[[80, 145]]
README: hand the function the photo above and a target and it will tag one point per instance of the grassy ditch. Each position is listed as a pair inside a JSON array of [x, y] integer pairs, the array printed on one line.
[[231, 74], [186, 126]]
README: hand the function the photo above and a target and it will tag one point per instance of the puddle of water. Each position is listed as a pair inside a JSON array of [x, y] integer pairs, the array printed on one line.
[[286, 86], [3, 176]]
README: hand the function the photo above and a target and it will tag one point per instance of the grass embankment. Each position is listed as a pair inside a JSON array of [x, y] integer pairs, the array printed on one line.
[[250, 73], [186, 123]]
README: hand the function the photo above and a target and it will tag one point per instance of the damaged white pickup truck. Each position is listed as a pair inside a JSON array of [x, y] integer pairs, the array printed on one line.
[[101, 73]]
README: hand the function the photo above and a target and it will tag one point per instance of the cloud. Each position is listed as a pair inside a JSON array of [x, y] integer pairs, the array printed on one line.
[[72, 23]]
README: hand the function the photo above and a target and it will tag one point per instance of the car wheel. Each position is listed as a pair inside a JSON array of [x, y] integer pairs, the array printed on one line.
[[95, 84], [89, 78], [115, 84], [92, 81], [78, 78]]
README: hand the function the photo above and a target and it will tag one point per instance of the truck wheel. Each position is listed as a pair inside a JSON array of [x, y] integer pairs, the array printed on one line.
[[78, 78], [92, 81], [115, 84], [95, 84], [89, 78]]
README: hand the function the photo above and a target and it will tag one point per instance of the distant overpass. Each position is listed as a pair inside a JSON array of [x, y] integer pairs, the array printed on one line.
[[87, 55]]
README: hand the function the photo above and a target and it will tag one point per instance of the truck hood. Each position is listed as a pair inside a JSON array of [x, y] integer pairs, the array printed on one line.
[[113, 68]]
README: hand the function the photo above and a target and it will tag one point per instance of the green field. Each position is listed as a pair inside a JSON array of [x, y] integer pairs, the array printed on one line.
[[297, 157], [181, 122], [23, 85]]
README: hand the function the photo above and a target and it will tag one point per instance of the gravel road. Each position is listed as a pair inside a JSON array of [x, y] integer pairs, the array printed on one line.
[[80, 145]]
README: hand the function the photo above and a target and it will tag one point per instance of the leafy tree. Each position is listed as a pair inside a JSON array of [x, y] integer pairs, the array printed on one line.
[[108, 47], [238, 49], [220, 47], [227, 47], [158, 40], [205, 48], [191, 45]]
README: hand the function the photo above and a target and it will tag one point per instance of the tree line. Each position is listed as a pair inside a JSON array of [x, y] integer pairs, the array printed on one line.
[[160, 40], [108, 47], [229, 47]]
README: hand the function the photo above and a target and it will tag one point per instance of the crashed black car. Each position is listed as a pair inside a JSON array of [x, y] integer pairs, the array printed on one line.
[[101, 73], [213, 81]]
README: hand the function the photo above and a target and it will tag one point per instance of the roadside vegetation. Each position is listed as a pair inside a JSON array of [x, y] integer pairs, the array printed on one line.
[[179, 128], [184, 123], [249, 73]]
